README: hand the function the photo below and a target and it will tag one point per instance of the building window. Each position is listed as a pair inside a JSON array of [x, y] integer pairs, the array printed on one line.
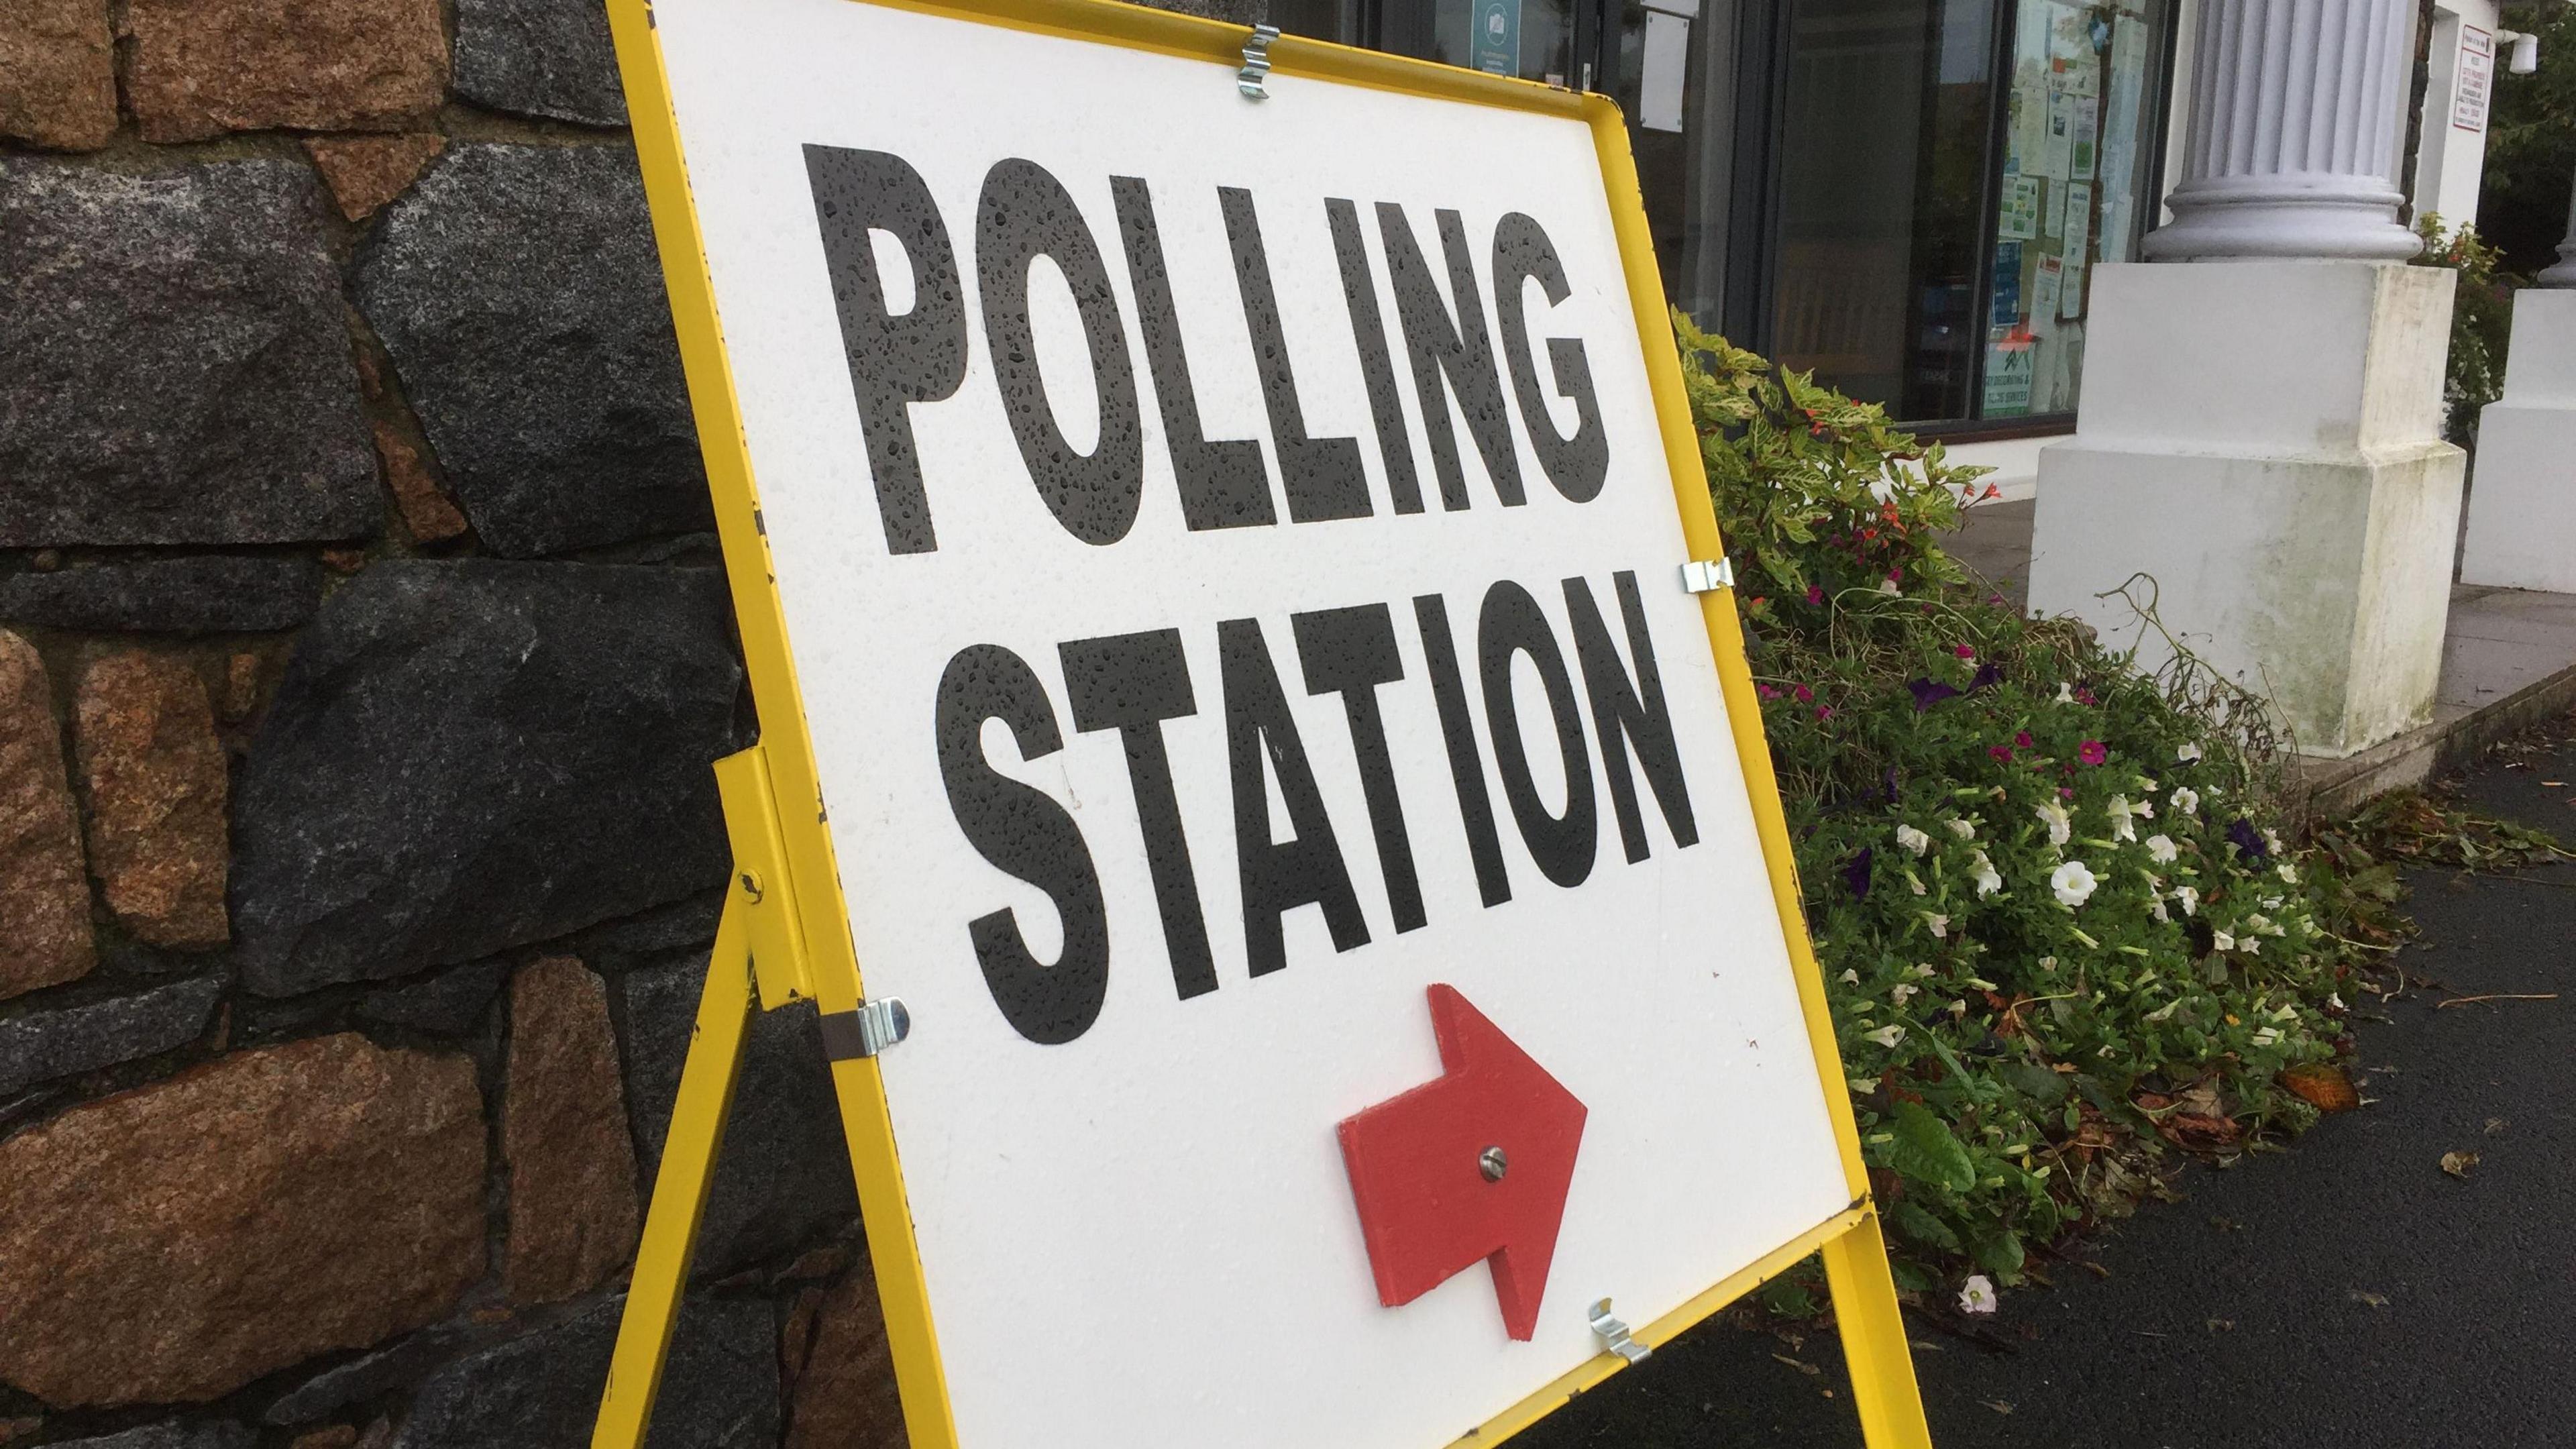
[[1905, 197]]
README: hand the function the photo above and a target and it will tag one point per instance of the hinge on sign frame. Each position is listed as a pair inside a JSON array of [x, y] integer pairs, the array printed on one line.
[[1614, 1334], [1707, 576], [762, 888], [874, 1026]]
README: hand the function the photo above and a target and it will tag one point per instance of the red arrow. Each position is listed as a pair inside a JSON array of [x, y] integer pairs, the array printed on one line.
[[1472, 1166]]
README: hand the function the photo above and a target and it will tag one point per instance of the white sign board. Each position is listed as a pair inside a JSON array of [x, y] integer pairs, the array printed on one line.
[[2473, 81], [1232, 572]]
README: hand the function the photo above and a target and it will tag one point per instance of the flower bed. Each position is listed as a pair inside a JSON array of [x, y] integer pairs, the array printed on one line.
[[2061, 930]]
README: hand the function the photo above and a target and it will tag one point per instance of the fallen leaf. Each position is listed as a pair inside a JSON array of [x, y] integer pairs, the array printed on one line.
[[1998, 1405], [2221, 1325], [2458, 1164], [2375, 1300], [1810, 1370], [2198, 1130], [2495, 1126], [2323, 1086]]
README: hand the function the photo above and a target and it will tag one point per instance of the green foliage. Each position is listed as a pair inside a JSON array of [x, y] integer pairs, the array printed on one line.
[[2481, 322], [2060, 930], [2531, 140]]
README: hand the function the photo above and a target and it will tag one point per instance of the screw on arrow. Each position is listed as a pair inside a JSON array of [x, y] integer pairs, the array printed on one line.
[[1472, 1167]]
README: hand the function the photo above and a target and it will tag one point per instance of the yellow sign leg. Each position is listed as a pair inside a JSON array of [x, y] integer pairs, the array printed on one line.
[[1873, 1328], [680, 1187]]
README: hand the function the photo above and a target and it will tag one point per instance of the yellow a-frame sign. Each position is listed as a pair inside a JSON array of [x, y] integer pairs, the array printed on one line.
[[1109, 374]]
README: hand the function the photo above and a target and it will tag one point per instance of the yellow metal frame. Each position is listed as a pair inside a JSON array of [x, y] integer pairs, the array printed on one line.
[[785, 935]]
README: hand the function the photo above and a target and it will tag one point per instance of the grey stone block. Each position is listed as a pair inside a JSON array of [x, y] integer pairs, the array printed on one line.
[[169, 1436], [214, 594], [783, 1173], [371, 1374], [549, 58], [472, 755], [176, 366], [448, 1003], [519, 292], [719, 1386], [67, 1041]]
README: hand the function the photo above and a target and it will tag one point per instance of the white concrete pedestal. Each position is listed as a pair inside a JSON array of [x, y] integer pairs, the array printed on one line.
[[2522, 509], [2262, 440]]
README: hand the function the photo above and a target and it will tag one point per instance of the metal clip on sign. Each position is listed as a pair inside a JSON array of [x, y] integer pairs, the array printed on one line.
[[1253, 80], [1707, 576], [1614, 1333]]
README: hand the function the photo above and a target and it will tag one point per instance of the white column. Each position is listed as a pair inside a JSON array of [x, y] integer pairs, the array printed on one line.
[[2258, 449], [2563, 274], [2297, 124]]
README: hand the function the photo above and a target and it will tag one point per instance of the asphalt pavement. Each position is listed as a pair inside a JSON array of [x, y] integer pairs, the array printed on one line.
[[2347, 1293]]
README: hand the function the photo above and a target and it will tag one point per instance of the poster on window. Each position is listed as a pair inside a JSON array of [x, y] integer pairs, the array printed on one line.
[[2020, 220], [2008, 375]]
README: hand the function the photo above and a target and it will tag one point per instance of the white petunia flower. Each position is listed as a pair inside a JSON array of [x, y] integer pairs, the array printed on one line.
[[2272, 842], [2221, 941], [2266, 1035], [1915, 883], [1889, 588], [1939, 926], [2047, 963], [2065, 693], [1913, 839], [2053, 815], [2144, 809], [2073, 883], [2287, 872], [2160, 848], [1850, 978], [1901, 993], [2186, 800], [2189, 753], [1888, 1036], [1978, 1296], [1860, 1086], [2122, 827], [1988, 879], [1960, 828], [2250, 945], [2156, 908], [1924, 971]]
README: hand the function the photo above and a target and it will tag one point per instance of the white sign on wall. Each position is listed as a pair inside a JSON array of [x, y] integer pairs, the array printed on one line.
[[1230, 559], [2473, 79]]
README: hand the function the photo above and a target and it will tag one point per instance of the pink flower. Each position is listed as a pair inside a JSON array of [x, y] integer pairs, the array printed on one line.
[[2000, 752], [2085, 696], [1964, 651], [2022, 739], [1896, 576], [1766, 691], [1815, 595], [1805, 695], [1824, 711], [2065, 794], [2093, 752]]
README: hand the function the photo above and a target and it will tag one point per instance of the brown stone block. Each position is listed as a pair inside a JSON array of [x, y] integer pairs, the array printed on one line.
[[57, 73], [365, 172], [841, 1392], [200, 68], [564, 1136], [175, 1242], [155, 778], [426, 510], [44, 894]]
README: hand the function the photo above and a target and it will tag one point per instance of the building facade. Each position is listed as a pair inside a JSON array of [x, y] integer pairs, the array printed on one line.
[[1908, 197]]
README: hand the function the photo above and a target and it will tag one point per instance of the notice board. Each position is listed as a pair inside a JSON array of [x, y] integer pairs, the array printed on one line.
[[1212, 571]]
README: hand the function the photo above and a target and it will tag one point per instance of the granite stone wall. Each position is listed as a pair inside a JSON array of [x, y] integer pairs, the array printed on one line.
[[363, 648]]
